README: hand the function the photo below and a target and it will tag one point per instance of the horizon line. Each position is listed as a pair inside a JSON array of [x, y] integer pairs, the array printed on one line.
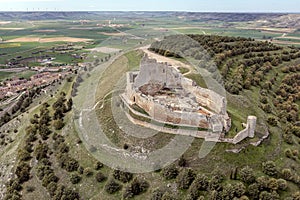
[[185, 11]]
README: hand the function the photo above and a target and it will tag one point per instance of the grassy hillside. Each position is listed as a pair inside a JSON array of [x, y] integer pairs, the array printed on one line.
[[260, 78]]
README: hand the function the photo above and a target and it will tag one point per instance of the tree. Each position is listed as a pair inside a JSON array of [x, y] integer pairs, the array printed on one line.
[[58, 124], [272, 121], [200, 183], [23, 172], [100, 177], [157, 194], [51, 188], [282, 184], [296, 196], [215, 183], [170, 172], [185, 179], [112, 187], [135, 188], [168, 196], [247, 175], [75, 178], [273, 184], [269, 168], [264, 195], [253, 190], [239, 189], [262, 183], [287, 174], [124, 177]]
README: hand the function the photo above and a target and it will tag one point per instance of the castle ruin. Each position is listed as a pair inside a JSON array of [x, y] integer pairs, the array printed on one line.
[[167, 97]]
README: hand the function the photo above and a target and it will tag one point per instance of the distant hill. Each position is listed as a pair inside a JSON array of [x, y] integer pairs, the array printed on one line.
[[196, 16]]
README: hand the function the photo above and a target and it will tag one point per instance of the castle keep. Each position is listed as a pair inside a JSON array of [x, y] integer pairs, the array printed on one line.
[[170, 98]]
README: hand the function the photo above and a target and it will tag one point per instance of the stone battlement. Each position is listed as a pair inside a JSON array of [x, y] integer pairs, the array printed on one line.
[[167, 96]]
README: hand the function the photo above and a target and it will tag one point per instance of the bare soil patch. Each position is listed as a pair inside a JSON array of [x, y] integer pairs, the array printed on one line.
[[113, 34], [13, 29], [105, 49]]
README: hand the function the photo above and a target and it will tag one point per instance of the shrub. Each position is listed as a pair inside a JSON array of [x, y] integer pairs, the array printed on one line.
[[98, 165], [30, 189], [182, 162], [88, 172]]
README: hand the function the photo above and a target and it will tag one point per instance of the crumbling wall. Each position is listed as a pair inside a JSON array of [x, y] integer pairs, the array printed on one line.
[[248, 131], [163, 114], [206, 97], [159, 73]]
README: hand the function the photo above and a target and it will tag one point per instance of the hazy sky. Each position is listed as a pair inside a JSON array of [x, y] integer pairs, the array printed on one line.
[[154, 5]]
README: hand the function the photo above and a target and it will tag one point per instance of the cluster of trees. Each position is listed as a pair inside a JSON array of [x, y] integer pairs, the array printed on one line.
[[60, 107], [22, 104], [75, 85], [287, 96], [258, 58], [40, 128], [244, 184], [136, 187]]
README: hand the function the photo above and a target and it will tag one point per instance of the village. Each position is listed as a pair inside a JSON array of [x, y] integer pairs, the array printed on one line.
[[16, 85]]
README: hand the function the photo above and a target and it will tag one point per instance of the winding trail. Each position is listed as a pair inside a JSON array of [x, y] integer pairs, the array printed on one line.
[[173, 62]]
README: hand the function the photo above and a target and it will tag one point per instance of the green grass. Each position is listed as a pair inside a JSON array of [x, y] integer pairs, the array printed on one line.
[[134, 59], [8, 75], [183, 70], [198, 79]]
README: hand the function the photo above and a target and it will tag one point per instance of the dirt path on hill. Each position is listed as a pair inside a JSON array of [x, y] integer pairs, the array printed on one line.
[[173, 62]]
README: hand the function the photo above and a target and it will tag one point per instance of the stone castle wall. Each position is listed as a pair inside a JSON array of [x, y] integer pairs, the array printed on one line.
[[166, 76], [247, 132], [163, 114], [160, 73], [206, 97]]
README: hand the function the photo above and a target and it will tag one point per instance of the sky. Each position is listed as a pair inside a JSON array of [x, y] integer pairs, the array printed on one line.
[[153, 5]]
